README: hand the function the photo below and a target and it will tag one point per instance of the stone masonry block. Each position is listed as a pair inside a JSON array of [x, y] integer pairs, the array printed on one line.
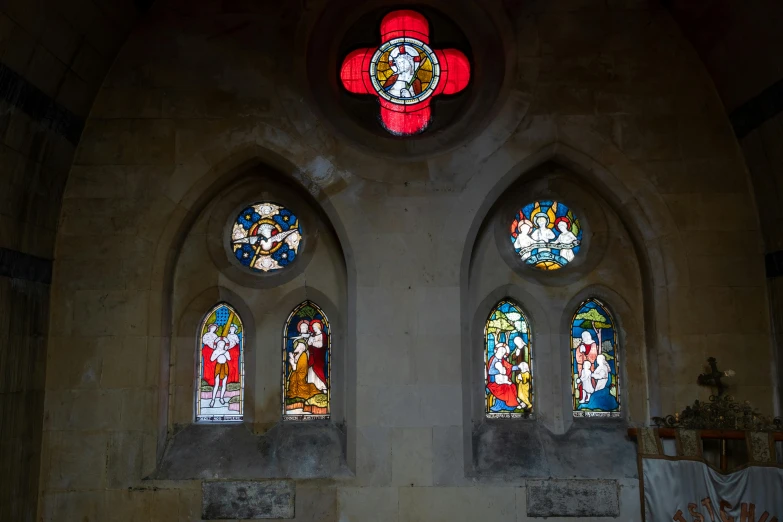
[[412, 457], [247, 500], [316, 504], [363, 503], [469, 504], [573, 498]]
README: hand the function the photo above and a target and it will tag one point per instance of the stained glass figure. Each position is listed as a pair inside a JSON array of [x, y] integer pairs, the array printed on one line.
[[596, 384], [306, 364], [220, 384], [546, 234], [266, 237], [404, 72], [508, 372]]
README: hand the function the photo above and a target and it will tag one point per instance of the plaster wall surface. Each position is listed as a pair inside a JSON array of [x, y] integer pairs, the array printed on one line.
[[613, 95]]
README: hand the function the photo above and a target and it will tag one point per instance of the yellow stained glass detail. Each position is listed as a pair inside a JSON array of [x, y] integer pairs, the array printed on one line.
[[547, 265], [383, 69], [424, 73]]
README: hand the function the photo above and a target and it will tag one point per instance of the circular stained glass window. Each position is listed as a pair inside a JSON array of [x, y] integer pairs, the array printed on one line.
[[266, 237], [404, 71], [546, 234]]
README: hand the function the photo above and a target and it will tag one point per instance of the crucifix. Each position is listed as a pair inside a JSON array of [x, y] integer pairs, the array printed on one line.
[[713, 379]]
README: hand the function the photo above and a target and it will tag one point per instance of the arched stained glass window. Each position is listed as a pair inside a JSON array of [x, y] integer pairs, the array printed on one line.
[[266, 237], [508, 368], [220, 383], [594, 366], [306, 364], [546, 234], [404, 72]]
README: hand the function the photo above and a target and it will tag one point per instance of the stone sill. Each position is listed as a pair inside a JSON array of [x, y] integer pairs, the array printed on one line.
[[297, 450], [520, 450]]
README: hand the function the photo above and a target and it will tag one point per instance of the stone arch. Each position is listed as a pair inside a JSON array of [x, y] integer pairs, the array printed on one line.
[[558, 421], [641, 211], [628, 333], [539, 326], [186, 325], [211, 176], [191, 202], [337, 320]]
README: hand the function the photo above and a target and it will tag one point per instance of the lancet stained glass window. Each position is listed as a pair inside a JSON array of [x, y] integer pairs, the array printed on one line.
[[546, 234], [266, 237], [306, 364], [220, 384], [508, 374], [594, 366], [404, 72]]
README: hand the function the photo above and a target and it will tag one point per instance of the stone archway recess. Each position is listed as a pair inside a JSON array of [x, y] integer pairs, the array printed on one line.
[[189, 206], [641, 210]]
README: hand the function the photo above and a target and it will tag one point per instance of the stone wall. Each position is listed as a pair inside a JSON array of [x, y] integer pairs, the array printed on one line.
[[200, 95], [53, 58], [745, 66], [760, 147]]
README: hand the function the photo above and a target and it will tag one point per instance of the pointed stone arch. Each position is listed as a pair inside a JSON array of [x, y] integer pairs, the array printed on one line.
[[245, 160], [641, 210], [646, 220]]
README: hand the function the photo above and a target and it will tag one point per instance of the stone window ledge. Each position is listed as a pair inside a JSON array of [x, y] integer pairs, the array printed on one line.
[[222, 451], [529, 450]]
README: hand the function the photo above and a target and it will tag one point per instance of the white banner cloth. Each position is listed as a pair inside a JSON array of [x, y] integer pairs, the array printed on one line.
[[691, 491]]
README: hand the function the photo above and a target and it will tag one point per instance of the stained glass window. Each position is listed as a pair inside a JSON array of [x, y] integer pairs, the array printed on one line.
[[508, 370], [546, 234], [596, 384], [404, 72], [266, 237], [306, 364], [220, 383]]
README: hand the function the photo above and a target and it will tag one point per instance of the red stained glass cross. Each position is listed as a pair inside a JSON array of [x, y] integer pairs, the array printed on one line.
[[405, 73]]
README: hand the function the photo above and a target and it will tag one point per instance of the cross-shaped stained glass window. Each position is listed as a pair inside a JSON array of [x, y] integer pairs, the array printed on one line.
[[405, 73]]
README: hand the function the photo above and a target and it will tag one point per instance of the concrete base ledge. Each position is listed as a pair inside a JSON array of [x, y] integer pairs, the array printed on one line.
[[531, 451], [291, 450]]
